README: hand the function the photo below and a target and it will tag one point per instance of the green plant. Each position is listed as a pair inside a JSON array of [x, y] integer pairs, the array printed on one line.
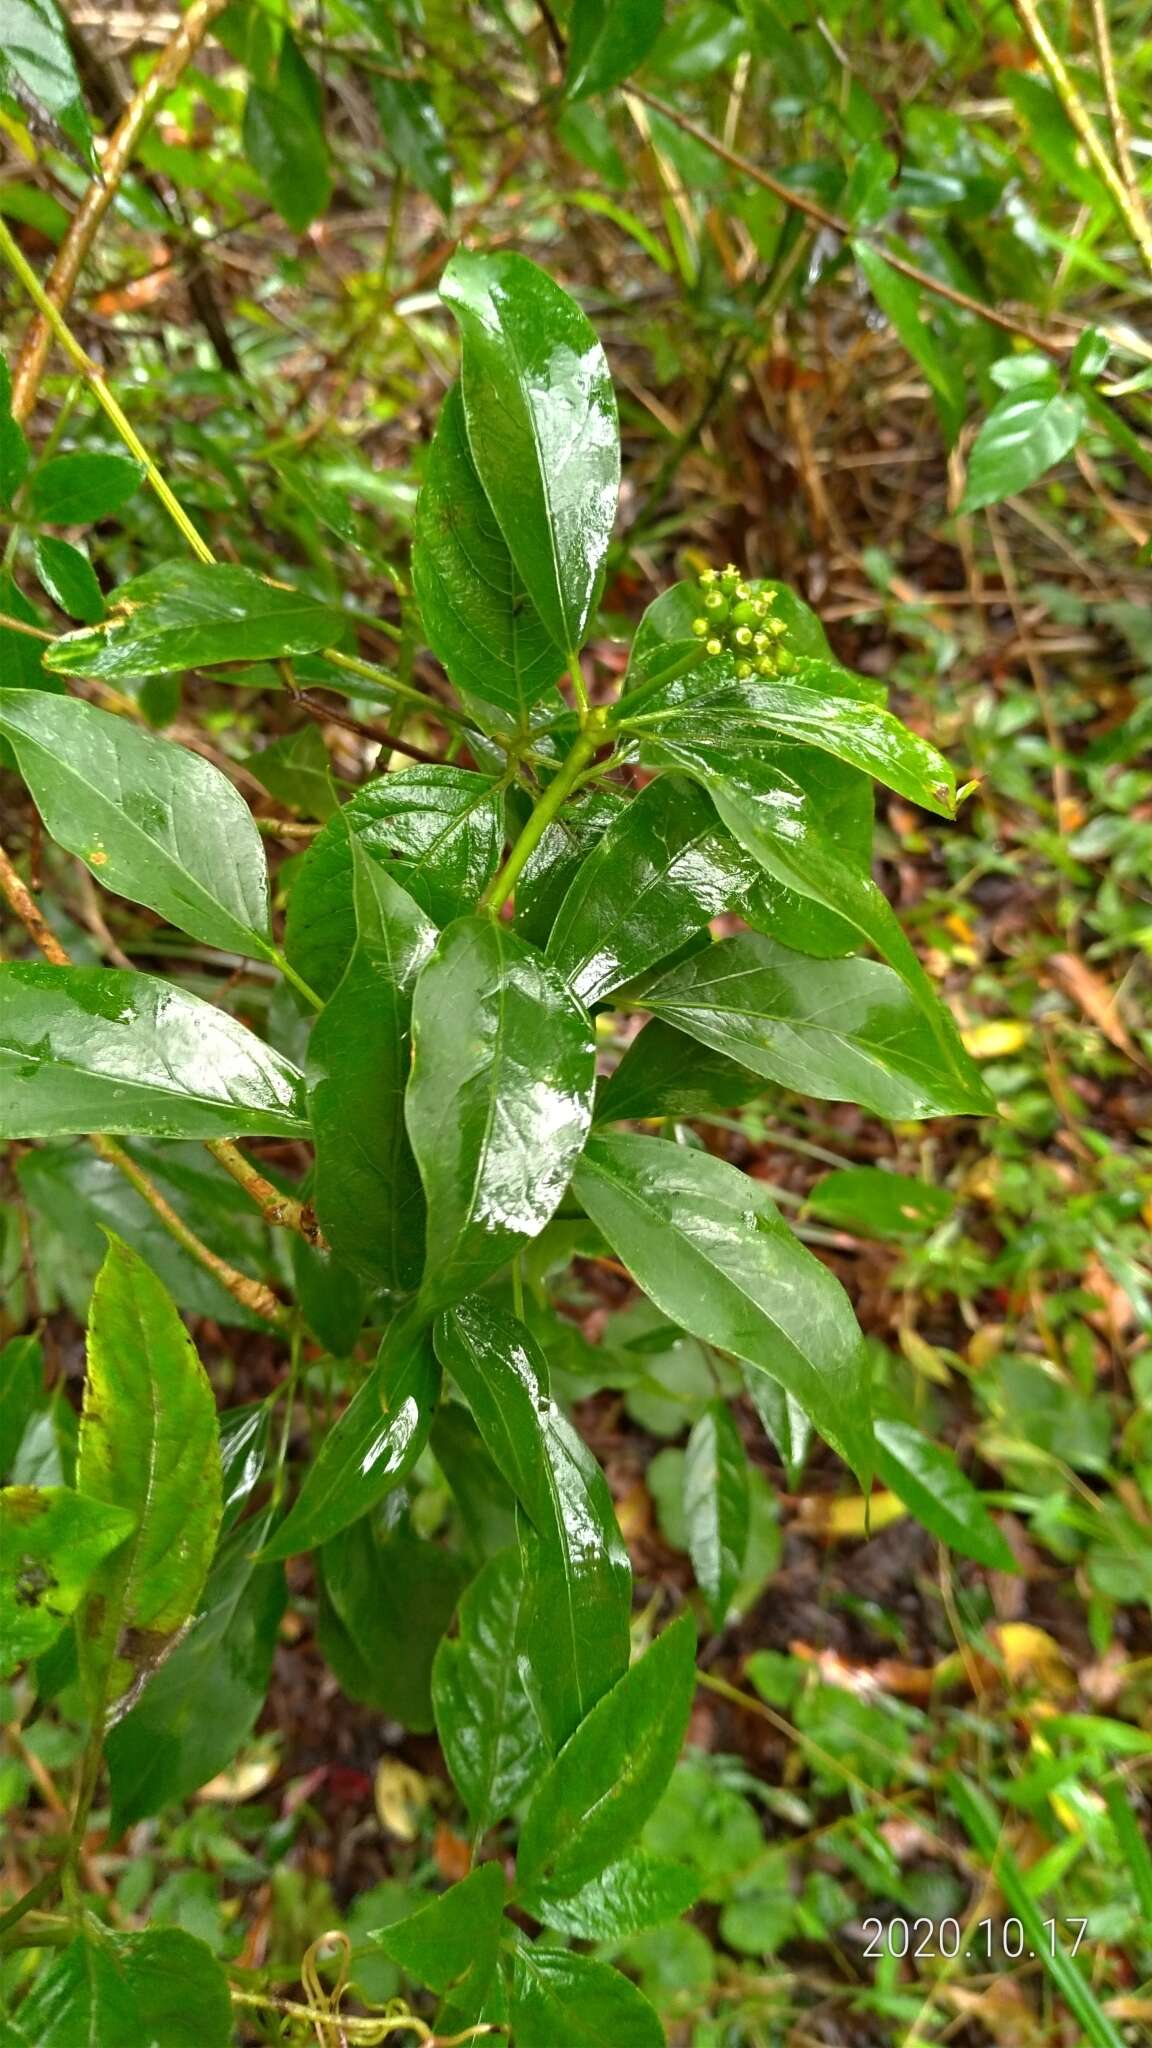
[[872, 283], [454, 929]]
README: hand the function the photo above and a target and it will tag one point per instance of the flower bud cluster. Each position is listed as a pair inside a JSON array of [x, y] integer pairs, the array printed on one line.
[[736, 620]]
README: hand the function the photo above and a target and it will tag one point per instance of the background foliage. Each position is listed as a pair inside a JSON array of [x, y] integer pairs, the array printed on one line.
[[873, 288]]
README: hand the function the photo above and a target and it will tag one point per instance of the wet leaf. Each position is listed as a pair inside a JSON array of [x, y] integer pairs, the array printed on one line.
[[437, 831], [594, 1799], [476, 612], [577, 1633], [485, 1715], [194, 615], [662, 870], [101, 1049], [708, 1246], [499, 1103], [367, 1193], [152, 820], [375, 1442], [541, 420], [607, 40], [561, 2000]]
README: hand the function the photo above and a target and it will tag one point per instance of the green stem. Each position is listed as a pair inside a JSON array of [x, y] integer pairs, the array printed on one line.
[[382, 676], [40, 1891], [548, 807], [297, 980]]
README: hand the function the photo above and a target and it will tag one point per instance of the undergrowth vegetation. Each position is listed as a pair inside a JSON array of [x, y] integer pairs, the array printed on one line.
[[575, 1385]]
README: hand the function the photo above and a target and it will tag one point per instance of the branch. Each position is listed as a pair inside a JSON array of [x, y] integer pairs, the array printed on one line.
[[251, 1294], [122, 145], [801, 203]]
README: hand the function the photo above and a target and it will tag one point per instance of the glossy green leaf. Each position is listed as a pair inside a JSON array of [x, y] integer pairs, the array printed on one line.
[[541, 420], [561, 2000], [637, 1891], [438, 831], [552, 866], [367, 1193], [596, 1796], [38, 70], [582, 1591], [152, 820], [475, 610], [708, 1247], [454, 1941], [485, 1715], [841, 1029], [1026, 433], [483, 1499], [661, 871], [387, 1601], [784, 1420], [901, 302], [103, 1049], [51, 1541], [807, 704], [193, 615], [69, 579], [376, 1441], [879, 1203], [149, 1445], [499, 1103], [607, 40], [663, 1073], [162, 1988], [926, 1477], [774, 818], [284, 138], [202, 1704], [71, 490], [842, 799], [244, 1439], [717, 1506]]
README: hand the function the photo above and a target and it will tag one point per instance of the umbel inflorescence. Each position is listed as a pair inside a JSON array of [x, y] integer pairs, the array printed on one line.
[[737, 620]]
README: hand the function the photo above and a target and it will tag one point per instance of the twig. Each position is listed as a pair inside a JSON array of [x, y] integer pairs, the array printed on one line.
[[801, 203], [74, 249], [1102, 37], [1128, 203], [277, 1208], [251, 1294]]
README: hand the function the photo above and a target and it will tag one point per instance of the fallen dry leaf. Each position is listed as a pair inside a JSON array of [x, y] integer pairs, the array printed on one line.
[[1095, 998], [401, 1796]]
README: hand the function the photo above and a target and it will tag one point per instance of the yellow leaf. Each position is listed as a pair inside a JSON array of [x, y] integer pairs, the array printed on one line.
[[1031, 1653], [924, 1358], [997, 1038], [855, 1516], [401, 1796]]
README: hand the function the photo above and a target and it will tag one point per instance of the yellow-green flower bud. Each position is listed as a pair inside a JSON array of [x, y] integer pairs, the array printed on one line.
[[743, 636], [744, 613], [743, 670], [765, 666], [715, 601], [707, 576], [701, 628], [713, 646]]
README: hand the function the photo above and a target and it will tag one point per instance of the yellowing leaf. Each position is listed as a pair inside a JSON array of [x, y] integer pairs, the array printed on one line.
[[996, 1039], [1031, 1654], [401, 1796]]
